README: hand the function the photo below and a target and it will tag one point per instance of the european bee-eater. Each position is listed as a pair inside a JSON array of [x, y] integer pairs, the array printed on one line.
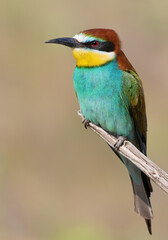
[[110, 95]]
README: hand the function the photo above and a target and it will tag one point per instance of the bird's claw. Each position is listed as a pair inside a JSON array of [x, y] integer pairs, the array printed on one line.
[[85, 122], [119, 143]]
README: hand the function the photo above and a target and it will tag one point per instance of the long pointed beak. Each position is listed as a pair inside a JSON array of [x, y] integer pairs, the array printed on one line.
[[69, 42]]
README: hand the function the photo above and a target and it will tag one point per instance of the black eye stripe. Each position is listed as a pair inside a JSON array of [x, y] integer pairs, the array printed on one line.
[[101, 46]]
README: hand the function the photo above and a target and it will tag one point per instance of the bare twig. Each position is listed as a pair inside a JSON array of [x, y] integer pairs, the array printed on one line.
[[128, 150]]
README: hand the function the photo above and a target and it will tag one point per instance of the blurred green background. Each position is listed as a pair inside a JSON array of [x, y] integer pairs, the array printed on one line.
[[57, 180]]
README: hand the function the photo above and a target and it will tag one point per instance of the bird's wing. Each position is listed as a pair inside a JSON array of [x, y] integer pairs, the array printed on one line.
[[134, 101], [133, 97]]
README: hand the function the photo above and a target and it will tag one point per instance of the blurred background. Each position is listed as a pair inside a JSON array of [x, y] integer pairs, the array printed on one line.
[[59, 181]]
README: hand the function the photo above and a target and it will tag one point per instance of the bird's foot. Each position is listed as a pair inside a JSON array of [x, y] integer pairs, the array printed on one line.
[[85, 122], [119, 143]]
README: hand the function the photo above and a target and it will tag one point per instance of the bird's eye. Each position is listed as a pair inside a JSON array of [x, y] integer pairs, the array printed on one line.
[[94, 43]]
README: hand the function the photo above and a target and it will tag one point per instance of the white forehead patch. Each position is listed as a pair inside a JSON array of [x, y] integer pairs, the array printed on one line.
[[81, 37]]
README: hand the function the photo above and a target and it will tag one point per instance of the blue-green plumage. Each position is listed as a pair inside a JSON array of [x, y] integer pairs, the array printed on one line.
[[99, 91], [106, 96], [100, 94]]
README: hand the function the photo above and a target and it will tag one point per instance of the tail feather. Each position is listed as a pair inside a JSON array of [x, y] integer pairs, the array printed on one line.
[[149, 226], [142, 189], [142, 202]]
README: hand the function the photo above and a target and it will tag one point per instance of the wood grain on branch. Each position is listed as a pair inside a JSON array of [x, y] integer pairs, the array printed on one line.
[[128, 150]]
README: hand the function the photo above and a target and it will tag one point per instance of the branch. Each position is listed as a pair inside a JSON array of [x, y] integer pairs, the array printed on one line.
[[128, 150]]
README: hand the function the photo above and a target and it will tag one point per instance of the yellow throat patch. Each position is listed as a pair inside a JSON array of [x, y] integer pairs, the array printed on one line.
[[92, 58]]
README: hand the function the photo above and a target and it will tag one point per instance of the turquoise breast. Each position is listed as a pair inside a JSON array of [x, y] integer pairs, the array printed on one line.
[[99, 94]]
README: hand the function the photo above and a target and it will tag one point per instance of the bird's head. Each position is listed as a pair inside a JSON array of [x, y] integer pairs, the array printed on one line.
[[93, 47]]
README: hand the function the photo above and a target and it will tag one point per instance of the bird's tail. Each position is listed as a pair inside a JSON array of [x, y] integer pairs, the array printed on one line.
[[142, 189], [142, 201]]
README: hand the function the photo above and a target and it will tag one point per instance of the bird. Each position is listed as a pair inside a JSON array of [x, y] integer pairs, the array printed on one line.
[[111, 95]]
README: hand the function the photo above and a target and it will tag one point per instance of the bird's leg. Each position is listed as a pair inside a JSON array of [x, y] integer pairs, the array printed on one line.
[[119, 142], [85, 122]]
